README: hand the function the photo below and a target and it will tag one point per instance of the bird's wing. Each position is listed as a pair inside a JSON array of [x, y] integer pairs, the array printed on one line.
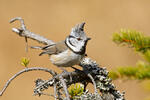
[[54, 48]]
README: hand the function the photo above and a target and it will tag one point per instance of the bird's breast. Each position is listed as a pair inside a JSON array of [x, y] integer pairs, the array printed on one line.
[[66, 59]]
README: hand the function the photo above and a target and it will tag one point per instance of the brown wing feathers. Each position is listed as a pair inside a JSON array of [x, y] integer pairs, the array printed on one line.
[[54, 48]]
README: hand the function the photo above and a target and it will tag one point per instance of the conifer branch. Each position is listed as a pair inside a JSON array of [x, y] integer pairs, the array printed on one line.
[[141, 44], [133, 39]]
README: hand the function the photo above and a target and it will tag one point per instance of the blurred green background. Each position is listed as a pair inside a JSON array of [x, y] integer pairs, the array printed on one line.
[[54, 20]]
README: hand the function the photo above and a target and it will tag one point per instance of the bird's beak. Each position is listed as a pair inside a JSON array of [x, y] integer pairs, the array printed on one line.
[[88, 38]]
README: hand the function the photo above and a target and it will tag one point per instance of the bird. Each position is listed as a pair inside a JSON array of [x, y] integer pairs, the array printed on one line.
[[70, 51]]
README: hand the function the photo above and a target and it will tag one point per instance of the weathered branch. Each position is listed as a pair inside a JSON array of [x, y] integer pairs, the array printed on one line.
[[92, 79], [91, 72], [55, 92], [22, 31], [23, 71], [64, 86]]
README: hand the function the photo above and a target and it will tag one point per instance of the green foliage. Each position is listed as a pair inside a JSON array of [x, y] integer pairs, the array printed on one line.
[[114, 75], [133, 39], [137, 72], [25, 61], [76, 90], [127, 71], [141, 44], [146, 55]]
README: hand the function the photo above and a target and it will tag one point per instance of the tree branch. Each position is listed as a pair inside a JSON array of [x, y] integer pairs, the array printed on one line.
[[64, 86], [22, 31], [55, 92], [92, 79], [91, 72], [23, 71]]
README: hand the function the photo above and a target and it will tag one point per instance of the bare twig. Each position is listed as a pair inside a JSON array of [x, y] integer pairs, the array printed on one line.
[[64, 86], [22, 71], [60, 97], [55, 92], [22, 31], [23, 27], [92, 79]]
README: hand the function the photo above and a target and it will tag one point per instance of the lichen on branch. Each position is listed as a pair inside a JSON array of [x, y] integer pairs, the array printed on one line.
[[91, 73]]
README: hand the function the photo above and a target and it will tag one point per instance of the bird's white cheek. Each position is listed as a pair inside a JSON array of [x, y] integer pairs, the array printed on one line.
[[74, 46]]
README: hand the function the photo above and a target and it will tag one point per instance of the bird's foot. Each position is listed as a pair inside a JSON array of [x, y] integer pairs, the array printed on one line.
[[76, 69]]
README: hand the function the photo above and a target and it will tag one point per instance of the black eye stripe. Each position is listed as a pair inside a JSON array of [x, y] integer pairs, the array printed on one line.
[[70, 36]]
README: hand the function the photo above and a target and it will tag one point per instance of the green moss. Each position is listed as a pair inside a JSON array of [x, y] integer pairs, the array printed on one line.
[[76, 90]]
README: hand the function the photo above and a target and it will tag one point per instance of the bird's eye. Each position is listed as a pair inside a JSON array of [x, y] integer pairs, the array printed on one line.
[[79, 39]]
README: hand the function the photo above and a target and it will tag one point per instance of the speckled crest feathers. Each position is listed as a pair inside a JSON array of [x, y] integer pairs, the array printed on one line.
[[78, 31]]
